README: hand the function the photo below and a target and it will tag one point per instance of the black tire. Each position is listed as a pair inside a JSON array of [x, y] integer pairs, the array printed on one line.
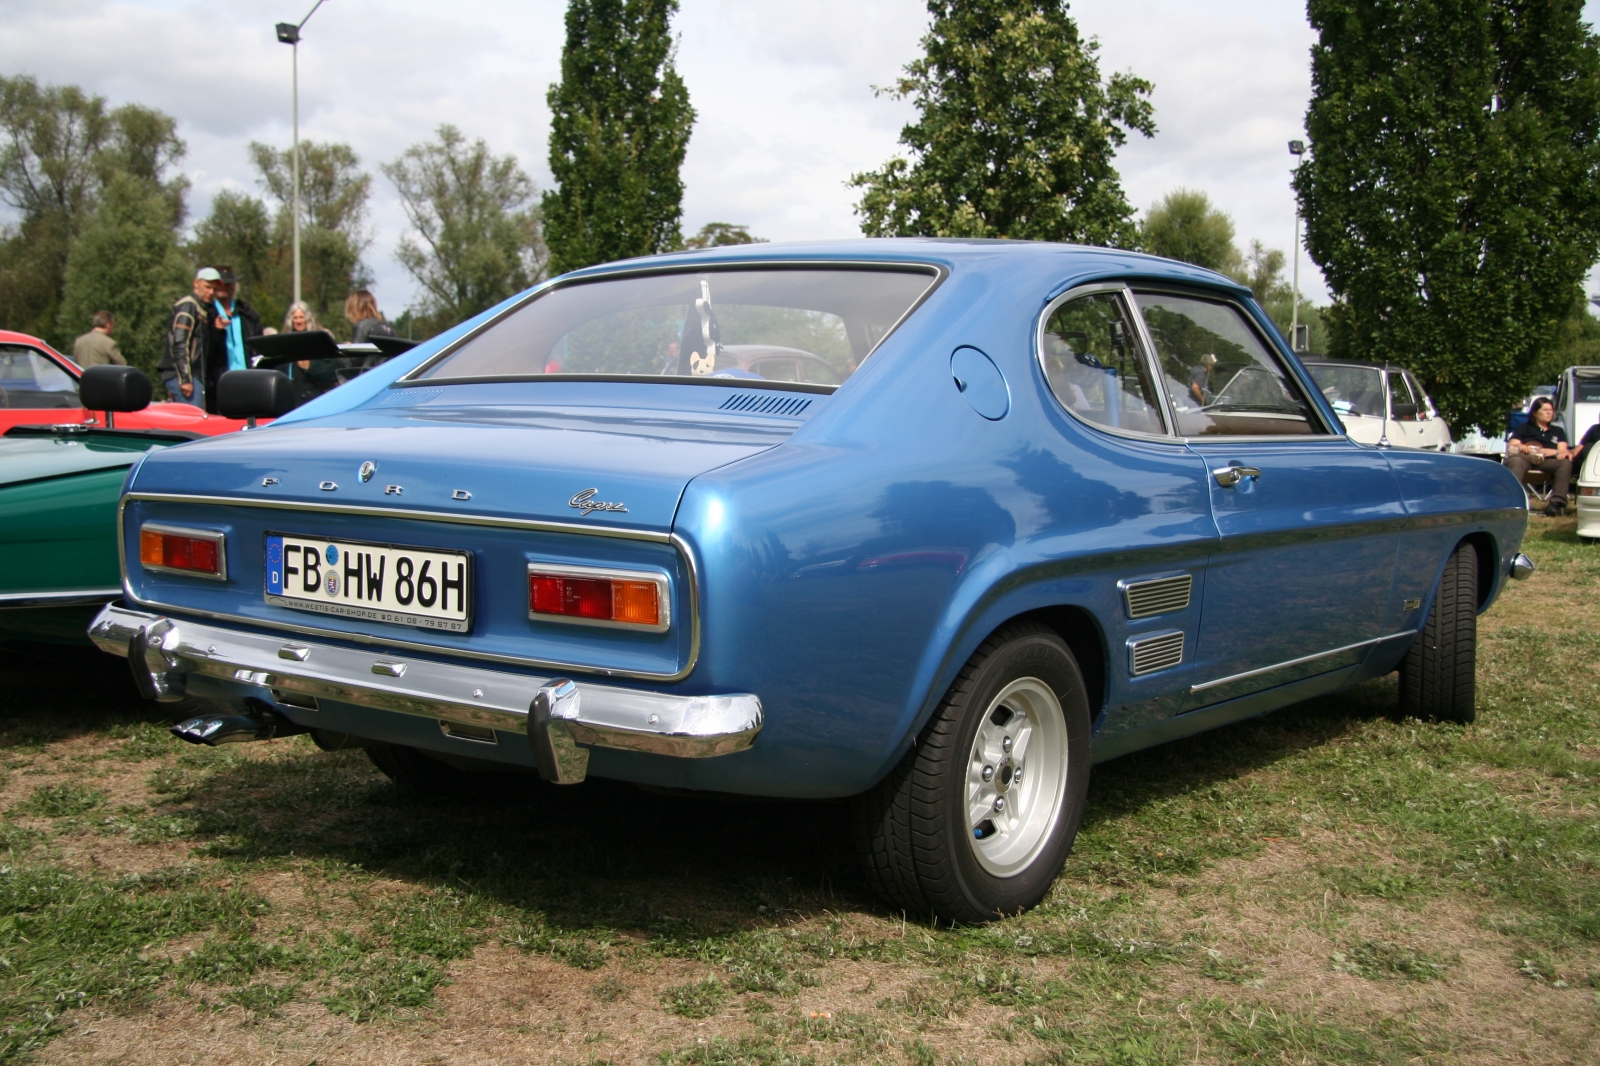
[[1438, 677], [912, 832], [416, 770]]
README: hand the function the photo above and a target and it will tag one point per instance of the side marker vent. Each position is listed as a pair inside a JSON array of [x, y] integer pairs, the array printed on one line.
[[408, 397], [757, 403], [1160, 596], [1149, 654]]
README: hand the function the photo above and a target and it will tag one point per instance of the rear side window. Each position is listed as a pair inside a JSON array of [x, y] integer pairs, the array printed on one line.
[[1221, 377], [813, 325], [1095, 368]]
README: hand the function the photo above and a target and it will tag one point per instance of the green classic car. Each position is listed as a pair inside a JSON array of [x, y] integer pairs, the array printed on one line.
[[58, 511]]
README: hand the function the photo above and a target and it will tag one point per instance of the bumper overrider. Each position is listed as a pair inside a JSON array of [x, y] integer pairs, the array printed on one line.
[[561, 718]]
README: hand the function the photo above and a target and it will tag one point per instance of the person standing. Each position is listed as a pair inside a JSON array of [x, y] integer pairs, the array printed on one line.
[[233, 322], [361, 309], [96, 348], [1200, 379], [183, 363], [312, 377]]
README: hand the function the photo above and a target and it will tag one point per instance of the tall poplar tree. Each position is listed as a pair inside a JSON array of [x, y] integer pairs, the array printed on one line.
[[1017, 132], [1452, 197], [620, 124]]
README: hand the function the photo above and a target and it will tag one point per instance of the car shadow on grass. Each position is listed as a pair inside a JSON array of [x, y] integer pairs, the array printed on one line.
[[601, 855], [611, 855]]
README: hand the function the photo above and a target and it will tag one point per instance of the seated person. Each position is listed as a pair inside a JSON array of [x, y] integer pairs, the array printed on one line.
[[1539, 445], [1583, 447]]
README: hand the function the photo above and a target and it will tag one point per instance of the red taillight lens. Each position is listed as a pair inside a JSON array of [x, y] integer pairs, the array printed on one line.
[[599, 598], [177, 552]]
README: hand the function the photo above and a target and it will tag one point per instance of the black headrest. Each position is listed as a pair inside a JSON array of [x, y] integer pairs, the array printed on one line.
[[114, 388], [392, 346], [275, 349], [255, 394]]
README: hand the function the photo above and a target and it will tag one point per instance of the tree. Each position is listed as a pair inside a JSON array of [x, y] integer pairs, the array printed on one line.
[[333, 225], [1452, 197], [619, 128], [1016, 135], [477, 231], [60, 148], [239, 232], [1184, 226], [722, 234], [125, 259]]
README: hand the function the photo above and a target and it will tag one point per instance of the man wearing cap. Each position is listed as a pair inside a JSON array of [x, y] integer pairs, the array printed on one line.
[[183, 364], [232, 323]]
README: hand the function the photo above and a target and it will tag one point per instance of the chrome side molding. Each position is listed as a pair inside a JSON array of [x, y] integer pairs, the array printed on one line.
[[1521, 567], [562, 718]]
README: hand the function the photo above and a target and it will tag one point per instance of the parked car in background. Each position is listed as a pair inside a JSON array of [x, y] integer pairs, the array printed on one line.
[[58, 510], [1577, 400], [39, 386], [1360, 393], [1024, 534], [1586, 495]]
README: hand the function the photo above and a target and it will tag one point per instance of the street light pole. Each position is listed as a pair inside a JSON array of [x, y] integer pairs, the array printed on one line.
[[1296, 149], [289, 34]]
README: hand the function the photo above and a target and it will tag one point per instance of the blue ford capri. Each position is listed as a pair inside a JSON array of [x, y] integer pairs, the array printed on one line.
[[1065, 503]]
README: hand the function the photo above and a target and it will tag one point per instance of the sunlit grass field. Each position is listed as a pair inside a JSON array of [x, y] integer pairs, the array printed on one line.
[[1324, 885]]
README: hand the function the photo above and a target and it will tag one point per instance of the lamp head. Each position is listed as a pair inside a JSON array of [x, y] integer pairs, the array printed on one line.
[[288, 33], [1297, 147]]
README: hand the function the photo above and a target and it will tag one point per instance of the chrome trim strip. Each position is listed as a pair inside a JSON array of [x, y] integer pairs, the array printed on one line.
[[610, 717], [1300, 661], [662, 583], [536, 525], [57, 598], [673, 539], [216, 537]]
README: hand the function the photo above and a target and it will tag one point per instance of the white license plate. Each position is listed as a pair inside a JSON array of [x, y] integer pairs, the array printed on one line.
[[423, 587]]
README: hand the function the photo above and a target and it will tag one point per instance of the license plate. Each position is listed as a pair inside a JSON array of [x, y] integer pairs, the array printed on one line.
[[424, 587]]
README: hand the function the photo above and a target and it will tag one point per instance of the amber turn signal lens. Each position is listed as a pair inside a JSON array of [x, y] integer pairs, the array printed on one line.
[[602, 599], [176, 552]]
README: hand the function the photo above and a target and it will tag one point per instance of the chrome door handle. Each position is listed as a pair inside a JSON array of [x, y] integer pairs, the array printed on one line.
[[1229, 476]]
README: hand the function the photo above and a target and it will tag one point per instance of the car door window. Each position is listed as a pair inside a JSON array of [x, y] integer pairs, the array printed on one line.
[[30, 379], [1402, 403], [1221, 376], [1094, 366]]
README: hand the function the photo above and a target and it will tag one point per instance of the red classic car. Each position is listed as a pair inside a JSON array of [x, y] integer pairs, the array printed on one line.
[[39, 385]]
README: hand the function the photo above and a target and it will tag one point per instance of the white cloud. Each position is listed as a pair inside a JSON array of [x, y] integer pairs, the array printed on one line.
[[783, 90]]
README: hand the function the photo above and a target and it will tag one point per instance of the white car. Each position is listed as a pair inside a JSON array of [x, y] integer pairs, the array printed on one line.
[[1360, 392], [1587, 497], [1577, 400]]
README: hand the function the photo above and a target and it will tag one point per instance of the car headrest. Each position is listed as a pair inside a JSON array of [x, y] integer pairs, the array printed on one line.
[[255, 394], [114, 388]]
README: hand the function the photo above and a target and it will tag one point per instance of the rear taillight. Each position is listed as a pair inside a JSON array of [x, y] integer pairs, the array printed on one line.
[[635, 600], [1589, 490], [182, 551]]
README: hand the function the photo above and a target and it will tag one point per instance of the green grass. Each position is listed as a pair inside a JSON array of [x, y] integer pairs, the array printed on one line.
[[1387, 859]]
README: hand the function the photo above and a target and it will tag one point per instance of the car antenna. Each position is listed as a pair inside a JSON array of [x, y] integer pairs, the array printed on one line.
[[1383, 438]]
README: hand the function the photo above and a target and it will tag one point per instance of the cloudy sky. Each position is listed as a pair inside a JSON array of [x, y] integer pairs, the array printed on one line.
[[784, 91]]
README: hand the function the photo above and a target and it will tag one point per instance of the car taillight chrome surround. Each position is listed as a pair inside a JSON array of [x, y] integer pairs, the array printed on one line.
[[178, 550], [639, 600]]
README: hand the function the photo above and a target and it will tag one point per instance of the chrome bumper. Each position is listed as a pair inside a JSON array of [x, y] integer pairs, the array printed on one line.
[[561, 718]]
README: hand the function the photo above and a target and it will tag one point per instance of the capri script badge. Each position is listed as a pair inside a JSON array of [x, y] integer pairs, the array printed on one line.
[[585, 501]]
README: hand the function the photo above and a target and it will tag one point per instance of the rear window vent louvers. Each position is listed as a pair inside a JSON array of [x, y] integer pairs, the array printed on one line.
[[409, 397], [1164, 594], [1147, 655], [756, 403]]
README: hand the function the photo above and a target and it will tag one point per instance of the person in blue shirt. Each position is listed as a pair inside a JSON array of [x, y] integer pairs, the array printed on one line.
[[232, 323]]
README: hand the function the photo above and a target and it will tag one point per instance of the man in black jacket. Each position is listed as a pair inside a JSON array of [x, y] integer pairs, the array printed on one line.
[[233, 321]]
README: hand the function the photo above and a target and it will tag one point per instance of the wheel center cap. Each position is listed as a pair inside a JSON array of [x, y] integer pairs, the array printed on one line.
[[1004, 774]]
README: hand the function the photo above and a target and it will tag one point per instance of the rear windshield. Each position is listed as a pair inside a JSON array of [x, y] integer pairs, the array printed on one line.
[[1587, 389], [792, 325]]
